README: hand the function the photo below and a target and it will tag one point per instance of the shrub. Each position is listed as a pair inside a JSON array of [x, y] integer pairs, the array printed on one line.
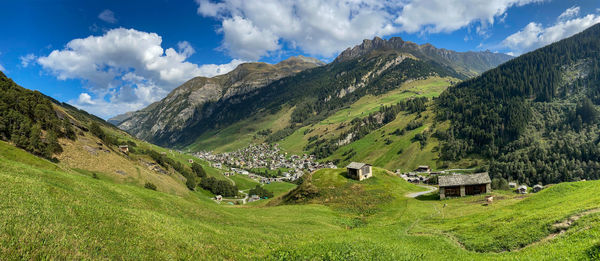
[[149, 185]]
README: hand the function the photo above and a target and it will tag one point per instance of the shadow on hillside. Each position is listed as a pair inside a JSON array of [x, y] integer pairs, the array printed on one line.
[[429, 197]]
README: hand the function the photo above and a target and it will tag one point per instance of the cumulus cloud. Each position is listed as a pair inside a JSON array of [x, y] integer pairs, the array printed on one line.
[[569, 13], [27, 60], [107, 16], [324, 28], [435, 16], [535, 35], [2, 68], [125, 69]]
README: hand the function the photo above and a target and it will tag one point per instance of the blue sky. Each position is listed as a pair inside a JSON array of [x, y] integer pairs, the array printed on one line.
[[110, 57]]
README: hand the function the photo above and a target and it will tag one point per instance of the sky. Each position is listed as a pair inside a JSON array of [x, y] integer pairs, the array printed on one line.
[[111, 57]]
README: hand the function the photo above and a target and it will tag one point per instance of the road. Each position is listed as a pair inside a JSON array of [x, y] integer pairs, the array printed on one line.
[[416, 194]]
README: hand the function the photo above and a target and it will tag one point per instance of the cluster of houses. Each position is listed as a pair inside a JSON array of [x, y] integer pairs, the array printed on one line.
[[522, 189], [258, 156]]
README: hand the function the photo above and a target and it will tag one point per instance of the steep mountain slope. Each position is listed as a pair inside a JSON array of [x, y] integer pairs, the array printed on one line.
[[303, 98], [77, 142], [163, 120], [466, 63], [535, 117]]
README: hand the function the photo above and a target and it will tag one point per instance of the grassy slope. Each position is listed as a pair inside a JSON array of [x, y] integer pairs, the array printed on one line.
[[374, 148], [430, 87], [50, 213], [240, 134]]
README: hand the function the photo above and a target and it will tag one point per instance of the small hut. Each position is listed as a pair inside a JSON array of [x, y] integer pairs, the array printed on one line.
[[512, 185], [190, 161], [460, 185], [359, 171], [218, 197], [423, 169], [522, 189], [124, 148], [537, 188]]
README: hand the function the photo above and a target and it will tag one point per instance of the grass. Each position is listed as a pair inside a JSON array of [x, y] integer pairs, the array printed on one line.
[[48, 212], [242, 133]]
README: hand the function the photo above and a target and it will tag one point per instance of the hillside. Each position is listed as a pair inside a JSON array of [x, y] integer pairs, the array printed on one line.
[[76, 141], [534, 118], [288, 103], [162, 122], [78, 216]]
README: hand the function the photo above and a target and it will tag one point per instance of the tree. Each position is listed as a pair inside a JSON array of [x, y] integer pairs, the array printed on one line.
[[198, 170], [68, 129], [97, 131], [261, 192]]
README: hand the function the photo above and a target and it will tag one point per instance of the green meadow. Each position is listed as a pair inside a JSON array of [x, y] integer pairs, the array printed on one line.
[[49, 212]]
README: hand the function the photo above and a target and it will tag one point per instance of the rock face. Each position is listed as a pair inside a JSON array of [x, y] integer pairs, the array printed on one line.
[[183, 105], [466, 63]]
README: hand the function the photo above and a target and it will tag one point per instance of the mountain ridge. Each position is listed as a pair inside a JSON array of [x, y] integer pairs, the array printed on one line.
[[166, 121]]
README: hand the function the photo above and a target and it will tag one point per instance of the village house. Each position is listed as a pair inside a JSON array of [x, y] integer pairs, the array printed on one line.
[[359, 171], [190, 161], [512, 185], [218, 197], [537, 188], [124, 148], [253, 198], [460, 185], [522, 189], [425, 169]]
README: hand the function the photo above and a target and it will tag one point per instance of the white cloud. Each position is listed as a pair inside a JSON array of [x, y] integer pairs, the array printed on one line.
[[125, 69], [107, 16], [535, 35], [2, 68], [27, 60], [185, 48], [326, 27], [569, 13], [435, 16], [85, 99]]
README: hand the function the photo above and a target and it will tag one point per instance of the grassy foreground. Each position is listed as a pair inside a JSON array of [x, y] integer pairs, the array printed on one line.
[[47, 212]]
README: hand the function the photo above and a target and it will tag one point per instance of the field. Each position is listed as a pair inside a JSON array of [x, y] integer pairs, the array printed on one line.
[[49, 212]]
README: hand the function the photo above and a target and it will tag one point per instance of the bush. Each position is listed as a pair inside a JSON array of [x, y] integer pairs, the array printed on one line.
[[149, 185], [500, 183], [261, 192], [219, 187]]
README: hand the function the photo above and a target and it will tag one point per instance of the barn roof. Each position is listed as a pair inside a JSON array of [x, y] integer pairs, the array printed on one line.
[[356, 165], [464, 179]]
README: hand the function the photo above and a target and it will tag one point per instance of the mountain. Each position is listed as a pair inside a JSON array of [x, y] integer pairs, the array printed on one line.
[[535, 118], [281, 104], [162, 120], [466, 63]]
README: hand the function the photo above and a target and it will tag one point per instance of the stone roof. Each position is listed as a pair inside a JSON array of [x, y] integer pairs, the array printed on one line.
[[464, 179], [356, 165]]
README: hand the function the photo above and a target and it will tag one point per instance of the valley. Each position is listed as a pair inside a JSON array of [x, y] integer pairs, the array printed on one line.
[[391, 150]]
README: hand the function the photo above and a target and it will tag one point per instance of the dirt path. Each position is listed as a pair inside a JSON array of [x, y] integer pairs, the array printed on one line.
[[416, 194]]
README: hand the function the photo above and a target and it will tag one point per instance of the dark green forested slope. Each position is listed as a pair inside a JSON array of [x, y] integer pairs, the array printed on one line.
[[28, 120], [534, 117]]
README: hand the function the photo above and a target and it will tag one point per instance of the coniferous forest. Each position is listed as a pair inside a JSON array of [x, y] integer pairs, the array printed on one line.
[[535, 117]]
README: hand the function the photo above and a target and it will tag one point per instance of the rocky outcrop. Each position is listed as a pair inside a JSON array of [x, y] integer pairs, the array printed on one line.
[[466, 63]]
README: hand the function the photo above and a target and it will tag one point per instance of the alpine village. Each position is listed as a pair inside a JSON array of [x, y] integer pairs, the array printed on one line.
[[346, 140]]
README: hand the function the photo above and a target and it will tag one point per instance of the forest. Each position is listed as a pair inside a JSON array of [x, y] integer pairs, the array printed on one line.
[[28, 120], [534, 117]]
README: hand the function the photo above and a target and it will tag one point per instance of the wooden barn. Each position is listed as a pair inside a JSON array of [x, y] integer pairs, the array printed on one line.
[[359, 171], [124, 148], [466, 184]]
